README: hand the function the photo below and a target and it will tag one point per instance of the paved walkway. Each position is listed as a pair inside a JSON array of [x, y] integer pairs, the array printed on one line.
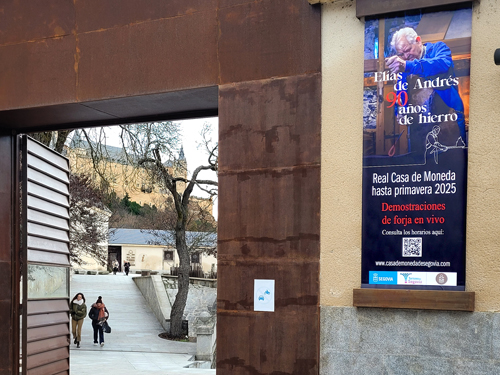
[[133, 346]]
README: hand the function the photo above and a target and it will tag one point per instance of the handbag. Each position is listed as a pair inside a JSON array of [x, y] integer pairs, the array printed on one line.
[[105, 327]]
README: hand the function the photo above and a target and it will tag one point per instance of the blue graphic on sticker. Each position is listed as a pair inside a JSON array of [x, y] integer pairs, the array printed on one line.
[[383, 277]]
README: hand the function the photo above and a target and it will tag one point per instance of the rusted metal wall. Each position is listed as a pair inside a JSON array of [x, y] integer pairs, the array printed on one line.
[[8, 310], [69, 63]]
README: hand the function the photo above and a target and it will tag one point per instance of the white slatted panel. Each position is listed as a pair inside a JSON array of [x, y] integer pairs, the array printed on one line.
[[46, 239]]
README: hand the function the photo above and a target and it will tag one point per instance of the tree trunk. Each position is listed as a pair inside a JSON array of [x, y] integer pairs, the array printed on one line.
[[182, 282]]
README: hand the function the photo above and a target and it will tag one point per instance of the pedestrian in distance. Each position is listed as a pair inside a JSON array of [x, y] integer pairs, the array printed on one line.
[[115, 267], [126, 265], [99, 314], [78, 313]]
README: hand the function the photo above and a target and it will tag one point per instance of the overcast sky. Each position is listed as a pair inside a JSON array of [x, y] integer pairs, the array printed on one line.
[[195, 157]]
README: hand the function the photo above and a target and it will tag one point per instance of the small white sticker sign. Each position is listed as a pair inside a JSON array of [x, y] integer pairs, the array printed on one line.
[[263, 295]]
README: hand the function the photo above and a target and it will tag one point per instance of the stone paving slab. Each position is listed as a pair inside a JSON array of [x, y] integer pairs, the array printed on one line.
[[133, 346]]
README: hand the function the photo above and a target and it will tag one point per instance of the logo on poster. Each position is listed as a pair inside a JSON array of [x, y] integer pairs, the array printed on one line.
[[405, 275], [441, 278]]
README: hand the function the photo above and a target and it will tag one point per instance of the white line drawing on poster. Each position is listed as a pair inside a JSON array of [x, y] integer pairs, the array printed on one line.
[[432, 143]]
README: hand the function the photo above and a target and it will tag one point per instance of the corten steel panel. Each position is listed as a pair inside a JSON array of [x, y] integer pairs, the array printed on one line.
[[273, 213], [198, 102], [31, 20], [294, 248], [49, 116], [6, 199], [37, 74], [104, 14], [265, 39], [270, 187], [199, 99], [5, 280], [230, 3], [284, 345], [158, 56], [271, 123], [5, 334], [296, 284]]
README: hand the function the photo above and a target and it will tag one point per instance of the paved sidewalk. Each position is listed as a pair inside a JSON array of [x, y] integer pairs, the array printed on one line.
[[133, 346]]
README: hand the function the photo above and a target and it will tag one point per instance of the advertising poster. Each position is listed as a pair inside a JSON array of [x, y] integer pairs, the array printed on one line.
[[415, 145]]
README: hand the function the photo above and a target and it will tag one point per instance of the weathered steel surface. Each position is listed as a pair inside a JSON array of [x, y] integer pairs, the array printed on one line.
[[104, 14], [262, 344], [230, 3], [21, 21], [163, 55], [6, 335], [277, 121], [192, 103], [38, 73], [264, 39], [6, 270], [274, 213], [414, 299], [269, 179], [296, 284]]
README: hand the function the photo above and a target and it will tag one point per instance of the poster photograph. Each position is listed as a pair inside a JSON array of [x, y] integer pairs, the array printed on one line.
[[415, 147]]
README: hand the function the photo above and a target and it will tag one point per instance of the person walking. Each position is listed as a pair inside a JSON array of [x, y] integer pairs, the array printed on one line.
[[126, 265], [78, 313], [99, 314], [115, 267]]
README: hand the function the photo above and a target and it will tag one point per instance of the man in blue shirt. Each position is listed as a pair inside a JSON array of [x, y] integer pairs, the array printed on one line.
[[433, 66]]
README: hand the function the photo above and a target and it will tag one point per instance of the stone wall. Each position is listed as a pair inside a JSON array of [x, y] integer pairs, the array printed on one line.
[[396, 341], [200, 299], [152, 289]]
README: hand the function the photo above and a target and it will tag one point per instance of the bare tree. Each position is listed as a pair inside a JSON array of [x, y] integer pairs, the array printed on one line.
[[56, 139], [146, 146], [181, 203], [88, 221]]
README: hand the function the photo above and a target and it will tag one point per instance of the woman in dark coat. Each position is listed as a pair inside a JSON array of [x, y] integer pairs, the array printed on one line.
[[99, 314], [78, 313]]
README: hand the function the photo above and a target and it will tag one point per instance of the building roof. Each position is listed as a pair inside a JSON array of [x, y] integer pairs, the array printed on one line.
[[124, 236]]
